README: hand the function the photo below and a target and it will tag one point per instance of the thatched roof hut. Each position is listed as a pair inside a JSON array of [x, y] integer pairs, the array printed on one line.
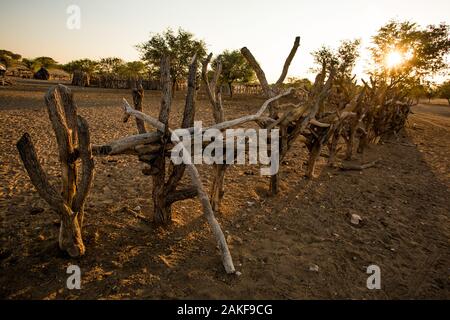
[[42, 74], [2, 70]]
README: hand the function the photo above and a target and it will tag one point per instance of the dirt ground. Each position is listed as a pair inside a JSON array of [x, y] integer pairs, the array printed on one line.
[[274, 241]]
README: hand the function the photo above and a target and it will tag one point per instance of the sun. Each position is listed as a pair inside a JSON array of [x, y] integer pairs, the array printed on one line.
[[394, 59]]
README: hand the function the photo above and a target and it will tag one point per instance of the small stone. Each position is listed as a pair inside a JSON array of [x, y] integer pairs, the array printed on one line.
[[138, 208], [355, 219], [237, 239], [41, 237], [314, 268], [238, 273]]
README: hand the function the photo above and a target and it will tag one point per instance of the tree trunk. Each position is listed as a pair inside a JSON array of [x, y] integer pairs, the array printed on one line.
[[70, 239], [230, 87], [174, 87]]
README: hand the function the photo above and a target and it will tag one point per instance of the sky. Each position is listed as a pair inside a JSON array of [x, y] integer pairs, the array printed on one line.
[[35, 28]]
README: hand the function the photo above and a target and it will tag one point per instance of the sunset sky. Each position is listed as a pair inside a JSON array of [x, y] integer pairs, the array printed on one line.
[[268, 28]]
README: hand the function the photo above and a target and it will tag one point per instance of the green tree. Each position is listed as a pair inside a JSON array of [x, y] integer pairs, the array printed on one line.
[[180, 47], [8, 58], [85, 65], [444, 91], [110, 65], [133, 69], [235, 68], [44, 62], [343, 59], [403, 50], [294, 82]]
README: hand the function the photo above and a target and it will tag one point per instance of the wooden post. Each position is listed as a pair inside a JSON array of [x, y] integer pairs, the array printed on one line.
[[72, 135]]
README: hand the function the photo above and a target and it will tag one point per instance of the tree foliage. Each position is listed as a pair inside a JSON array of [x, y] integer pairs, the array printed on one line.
[[180, 47], [422, 50], [86, 65], [235, 68], [8, 58], [343, 59]]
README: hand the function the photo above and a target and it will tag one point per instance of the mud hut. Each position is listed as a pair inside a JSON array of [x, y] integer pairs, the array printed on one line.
[[42, 74]]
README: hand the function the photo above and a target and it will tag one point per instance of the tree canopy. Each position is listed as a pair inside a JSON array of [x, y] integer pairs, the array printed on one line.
[[405, 50], [343, 59], [180, 46], [86, 65], [8, 58], [235, 68]]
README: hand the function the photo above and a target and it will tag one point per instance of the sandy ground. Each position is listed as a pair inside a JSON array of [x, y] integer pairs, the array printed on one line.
[[404, 203]]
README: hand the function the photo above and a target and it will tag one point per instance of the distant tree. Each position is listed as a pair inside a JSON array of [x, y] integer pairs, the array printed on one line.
[[8, 58], [343, 59], [299, 83], [133, 69], [235, 68], [180, 47], [44, 62], [430, 90], [110, 65], [420, 51], [84, 65], [444, 91]]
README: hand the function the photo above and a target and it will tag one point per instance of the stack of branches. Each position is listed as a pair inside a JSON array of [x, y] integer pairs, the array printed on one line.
[[334, 108]]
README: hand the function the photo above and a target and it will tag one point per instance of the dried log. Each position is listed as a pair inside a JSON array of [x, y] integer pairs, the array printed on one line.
[[357, 167], [126, 145], [69, 129]]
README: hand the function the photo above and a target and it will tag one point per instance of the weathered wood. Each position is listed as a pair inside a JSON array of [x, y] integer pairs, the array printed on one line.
[[271, 91], [288, 62], [126, 145], [53, 100], [215, 97], [138, 96], [87, 168], [69, 130], [177, 172], [37, 175], [162, 212], [357, 167]]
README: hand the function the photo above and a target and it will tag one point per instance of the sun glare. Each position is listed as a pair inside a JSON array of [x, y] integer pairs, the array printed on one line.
[[394, 59]]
